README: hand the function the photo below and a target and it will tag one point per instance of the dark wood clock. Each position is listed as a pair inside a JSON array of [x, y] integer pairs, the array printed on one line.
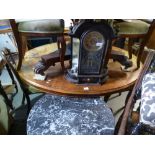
[[91, 46]]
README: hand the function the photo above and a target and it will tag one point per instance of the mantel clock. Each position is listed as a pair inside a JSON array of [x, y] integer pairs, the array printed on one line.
[[91, 42]]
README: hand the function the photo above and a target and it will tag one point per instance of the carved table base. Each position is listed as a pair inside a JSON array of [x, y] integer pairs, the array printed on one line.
[[50, 60], [54, 57]]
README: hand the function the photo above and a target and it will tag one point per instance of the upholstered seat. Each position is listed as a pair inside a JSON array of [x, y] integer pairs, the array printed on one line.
[[41, 26], [149, 21], [134, 27]]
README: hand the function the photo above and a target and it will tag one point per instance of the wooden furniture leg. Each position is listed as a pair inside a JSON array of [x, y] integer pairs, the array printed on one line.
[[24, 45], [106, 98], [62, 48], [18, 40], [130, 44]]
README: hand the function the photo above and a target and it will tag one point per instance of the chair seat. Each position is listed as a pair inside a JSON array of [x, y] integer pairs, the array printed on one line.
[[54, 26], [147, 20], [132, 27], [58, 115]]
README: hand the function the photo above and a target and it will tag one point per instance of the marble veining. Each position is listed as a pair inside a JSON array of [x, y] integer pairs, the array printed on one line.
[[61, 115]]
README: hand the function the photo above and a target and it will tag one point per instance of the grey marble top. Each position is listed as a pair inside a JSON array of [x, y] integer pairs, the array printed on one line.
[[59, 115]]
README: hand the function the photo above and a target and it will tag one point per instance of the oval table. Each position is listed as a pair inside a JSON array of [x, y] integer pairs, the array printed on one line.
[[56, 82]]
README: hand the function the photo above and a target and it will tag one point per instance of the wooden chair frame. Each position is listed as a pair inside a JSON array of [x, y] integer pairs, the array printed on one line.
[[21, 39], [143, 43], [131, 101]]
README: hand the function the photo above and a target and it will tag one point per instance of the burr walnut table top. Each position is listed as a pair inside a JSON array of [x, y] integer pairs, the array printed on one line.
[[56, 82]]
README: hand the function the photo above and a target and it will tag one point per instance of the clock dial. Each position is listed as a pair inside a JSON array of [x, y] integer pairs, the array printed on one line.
[[93, 41]]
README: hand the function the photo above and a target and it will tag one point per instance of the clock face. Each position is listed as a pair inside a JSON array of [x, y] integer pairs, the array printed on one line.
[[93, 41]]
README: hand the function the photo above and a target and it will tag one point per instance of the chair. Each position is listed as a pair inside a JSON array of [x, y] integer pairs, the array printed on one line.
[[133, 30], [26, 89], [24, 29], [131, 116]]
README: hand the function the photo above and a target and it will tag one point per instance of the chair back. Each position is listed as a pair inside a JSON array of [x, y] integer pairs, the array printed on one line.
[[14, 72]]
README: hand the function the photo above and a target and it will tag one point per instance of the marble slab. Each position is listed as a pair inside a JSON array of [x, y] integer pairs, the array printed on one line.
[[61, 115]]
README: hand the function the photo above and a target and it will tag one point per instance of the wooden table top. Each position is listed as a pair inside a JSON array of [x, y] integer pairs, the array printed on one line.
[[56, 82]]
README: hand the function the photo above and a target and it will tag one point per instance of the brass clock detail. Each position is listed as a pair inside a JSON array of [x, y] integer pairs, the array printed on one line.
[[93, 41]]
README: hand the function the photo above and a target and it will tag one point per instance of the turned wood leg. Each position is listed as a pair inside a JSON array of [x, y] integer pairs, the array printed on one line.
[[24, 45], [106, 98], [62, 47], [139, 55], [130, 44], [19, 63], [118, 124], [20, 54]]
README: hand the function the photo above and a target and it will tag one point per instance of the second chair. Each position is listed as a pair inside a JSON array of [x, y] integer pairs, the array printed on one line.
[[24, 29]]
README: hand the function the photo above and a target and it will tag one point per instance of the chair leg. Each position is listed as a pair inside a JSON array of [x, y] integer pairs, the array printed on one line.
[[62, 47], [118, 124], [23, 99], [22, 47], [28, 103], [130, 44], [20, 61], [106, 98], [139, 57]]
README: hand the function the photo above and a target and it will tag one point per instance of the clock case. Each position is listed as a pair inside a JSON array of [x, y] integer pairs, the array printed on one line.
[[91, 67]]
